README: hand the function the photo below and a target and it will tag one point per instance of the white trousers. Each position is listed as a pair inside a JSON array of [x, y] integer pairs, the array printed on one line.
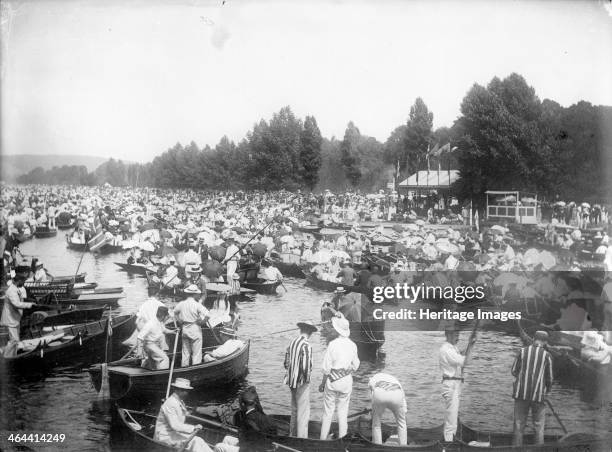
[[231, 269], [451, 390], [156, 358], [300, 411], [229, 444], [192, 345], [394, 401], [335, 400]]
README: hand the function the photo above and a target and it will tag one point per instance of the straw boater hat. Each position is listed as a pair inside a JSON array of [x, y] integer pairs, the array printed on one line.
[[541, 336], [192, 288], [193, 268], [307, 326], [341, 325], [235, 276], [182, 383], [339, 290]]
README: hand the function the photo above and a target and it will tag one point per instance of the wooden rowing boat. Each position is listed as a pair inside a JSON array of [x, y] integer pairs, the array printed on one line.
[[137, 429], [78, 278], [45, 232], [291, 270], [419, 439], [569, 366], [127, 379], [38, 319], [72, 346], [261, 286], [135, 269], [330, 286]]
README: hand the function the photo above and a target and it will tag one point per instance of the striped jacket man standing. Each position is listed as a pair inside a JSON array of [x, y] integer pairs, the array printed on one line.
[[532, 369], [298, 363]]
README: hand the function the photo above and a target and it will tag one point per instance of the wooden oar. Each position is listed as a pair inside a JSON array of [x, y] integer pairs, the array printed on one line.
[[213, 423], [556, 415], [176, 336]]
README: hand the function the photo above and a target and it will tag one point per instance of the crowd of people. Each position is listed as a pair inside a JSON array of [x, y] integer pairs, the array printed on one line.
[[210, 235]]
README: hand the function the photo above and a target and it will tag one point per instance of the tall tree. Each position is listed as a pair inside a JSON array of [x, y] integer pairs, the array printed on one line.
[[310, 152], [417, 137], [349, 159]]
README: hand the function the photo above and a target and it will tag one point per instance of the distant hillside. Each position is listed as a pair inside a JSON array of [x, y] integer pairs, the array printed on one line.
[[14, 166]]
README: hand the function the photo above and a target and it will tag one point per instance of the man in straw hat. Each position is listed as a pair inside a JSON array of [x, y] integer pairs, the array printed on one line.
[[298, 363], [532, 369], [194, 276], [171, 428], [339, 363], [152, 338], [451, 362], [190, 315]]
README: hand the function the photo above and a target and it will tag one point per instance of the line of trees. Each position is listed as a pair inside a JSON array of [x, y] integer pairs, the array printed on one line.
[[505, 138]]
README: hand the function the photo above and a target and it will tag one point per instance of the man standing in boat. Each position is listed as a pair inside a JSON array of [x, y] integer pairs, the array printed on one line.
[[152, 338], [298, 363], [11, 313], [532, 369], [339, 363], [232, 257], [451, 363], [190, 314]]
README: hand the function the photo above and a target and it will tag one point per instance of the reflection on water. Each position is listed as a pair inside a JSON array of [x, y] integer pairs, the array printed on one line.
[[67, 403]]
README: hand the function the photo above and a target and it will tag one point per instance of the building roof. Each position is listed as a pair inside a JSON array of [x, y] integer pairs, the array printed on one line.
[[430, 179]]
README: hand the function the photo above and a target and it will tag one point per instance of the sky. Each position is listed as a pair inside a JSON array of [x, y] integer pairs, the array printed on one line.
[[129, 79]]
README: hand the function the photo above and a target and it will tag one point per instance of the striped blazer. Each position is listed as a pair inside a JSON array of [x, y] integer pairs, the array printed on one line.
[[533, 371], [298, 362]]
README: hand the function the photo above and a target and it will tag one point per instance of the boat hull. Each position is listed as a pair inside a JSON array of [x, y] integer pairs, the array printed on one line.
[[132, 381]]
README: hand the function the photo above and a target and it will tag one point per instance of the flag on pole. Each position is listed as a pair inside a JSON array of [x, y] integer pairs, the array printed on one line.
[[98, 238]]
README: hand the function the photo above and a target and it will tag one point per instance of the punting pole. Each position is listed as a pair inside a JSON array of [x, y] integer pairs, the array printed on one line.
[[176, 336], [556, 415], [278, 446], [471, 342], [104, 386]]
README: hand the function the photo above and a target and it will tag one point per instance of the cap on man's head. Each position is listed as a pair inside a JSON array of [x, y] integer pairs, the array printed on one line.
[[541, 336]]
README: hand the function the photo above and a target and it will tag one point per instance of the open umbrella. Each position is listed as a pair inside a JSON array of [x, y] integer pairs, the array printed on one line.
[[147, 246], [560, 203], [585, 204], [419, 222]]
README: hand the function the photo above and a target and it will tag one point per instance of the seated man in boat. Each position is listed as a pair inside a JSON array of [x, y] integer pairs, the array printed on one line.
[[269, 272], [171, 428], [594, 348], [170, 278], [152, 338], [40, 274]]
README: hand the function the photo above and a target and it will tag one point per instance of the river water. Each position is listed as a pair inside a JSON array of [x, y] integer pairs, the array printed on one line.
[[67, 402]]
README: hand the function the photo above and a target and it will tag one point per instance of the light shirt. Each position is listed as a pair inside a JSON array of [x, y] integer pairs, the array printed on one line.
[[385, 381], [13, 306], [152, 331], [341, 353], [148, 310], [40, 275], [190, 311], [232, 253], [272, 274], [451, 360], [170, 427]]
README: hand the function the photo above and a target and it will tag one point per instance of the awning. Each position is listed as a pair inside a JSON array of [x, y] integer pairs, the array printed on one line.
[[430, 179]]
